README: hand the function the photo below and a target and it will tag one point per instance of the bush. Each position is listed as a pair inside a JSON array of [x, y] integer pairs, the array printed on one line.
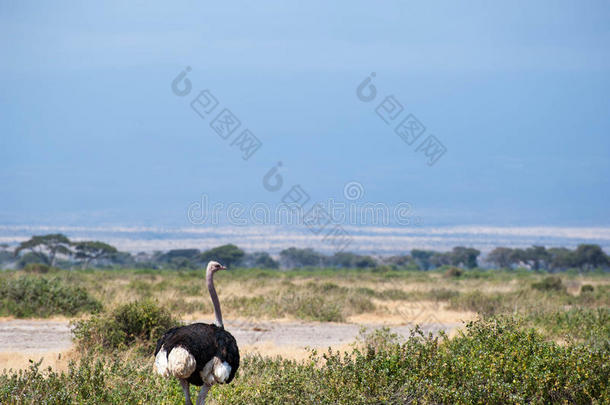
[[91, 381], [589, 325], [140, 322], [384, 268], [325, 302], [491, 362], [442, 294], [586, 288], [453, 272], [483, 304], [33, 296], [550, 283], [38, 268], [393, 294]]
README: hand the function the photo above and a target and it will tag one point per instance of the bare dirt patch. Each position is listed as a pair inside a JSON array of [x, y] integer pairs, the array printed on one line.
[[22, 340]]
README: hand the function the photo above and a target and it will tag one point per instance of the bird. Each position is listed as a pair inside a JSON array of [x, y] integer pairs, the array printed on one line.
[[201, 354]]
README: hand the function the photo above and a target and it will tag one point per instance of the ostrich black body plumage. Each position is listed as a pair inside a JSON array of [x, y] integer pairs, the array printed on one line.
[[204, 342]]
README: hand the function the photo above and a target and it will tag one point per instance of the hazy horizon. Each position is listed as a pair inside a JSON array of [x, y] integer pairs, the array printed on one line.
[[376, 240]]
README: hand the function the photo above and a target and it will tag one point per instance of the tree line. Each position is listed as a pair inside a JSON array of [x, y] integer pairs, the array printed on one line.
[[58, 250]]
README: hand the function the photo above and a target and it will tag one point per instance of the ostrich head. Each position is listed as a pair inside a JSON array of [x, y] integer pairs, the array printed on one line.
[[214, 266]]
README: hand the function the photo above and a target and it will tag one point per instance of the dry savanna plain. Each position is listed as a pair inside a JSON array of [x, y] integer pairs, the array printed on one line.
[[312, 335]]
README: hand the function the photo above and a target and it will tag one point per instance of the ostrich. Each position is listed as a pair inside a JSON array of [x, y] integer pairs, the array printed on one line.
[[199, 353]]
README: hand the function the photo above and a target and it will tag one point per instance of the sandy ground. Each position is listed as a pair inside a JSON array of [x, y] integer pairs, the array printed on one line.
[[25, 340]]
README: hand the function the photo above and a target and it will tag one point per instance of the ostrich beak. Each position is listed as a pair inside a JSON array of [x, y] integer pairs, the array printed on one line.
[[223, 268]]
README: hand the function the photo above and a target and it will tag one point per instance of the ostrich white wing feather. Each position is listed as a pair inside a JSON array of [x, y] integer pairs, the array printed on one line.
[[161, 363], [181, 363]]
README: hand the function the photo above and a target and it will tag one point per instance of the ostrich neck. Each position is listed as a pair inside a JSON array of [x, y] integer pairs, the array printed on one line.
[[210, 280]]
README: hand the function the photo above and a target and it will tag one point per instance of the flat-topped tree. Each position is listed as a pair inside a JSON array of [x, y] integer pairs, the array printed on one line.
[[502, 257], [589, 256], [229, 254], [46, 247], [88, 251]]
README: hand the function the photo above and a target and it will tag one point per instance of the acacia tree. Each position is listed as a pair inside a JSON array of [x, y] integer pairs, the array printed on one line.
[[423, 258], [537, 256], [588, 256], [463, 256], [294, 257], [46, 247], [88, 251], [501, 257], [227, 255], [561, 258]]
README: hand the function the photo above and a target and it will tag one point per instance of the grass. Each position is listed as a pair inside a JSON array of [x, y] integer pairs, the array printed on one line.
[[495, 361], [296, 294], [591, 326], [540, 338], [305, 303], [32, 296]]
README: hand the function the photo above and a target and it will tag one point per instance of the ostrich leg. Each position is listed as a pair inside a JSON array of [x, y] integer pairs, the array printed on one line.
[[202, 394], [187, 392]]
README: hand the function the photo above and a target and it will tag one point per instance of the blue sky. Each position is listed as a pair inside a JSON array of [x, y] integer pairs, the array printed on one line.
[[91, 133]]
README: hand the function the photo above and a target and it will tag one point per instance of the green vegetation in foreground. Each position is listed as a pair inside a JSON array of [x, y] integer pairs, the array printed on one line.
[[138, 323], [493, 361], [32, 296]]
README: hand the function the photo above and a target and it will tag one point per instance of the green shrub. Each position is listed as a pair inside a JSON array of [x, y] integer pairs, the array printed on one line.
[[181, 306], [324, 302], [476, 301], [586, 288], [491, 362], [305, 306], [453, 272], [550, 283], [442, 294], [38, 268], [139, 322], [496, 361], [590, 325], [34, 296], [369, 292], [381, 269], [141, 287], [394, 294], [91, 381]]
